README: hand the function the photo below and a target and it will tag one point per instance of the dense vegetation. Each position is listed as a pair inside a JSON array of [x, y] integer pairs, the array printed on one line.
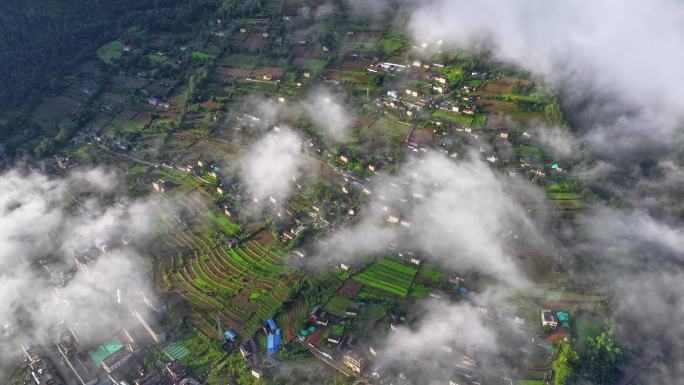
[[598, 362], [40, 40]]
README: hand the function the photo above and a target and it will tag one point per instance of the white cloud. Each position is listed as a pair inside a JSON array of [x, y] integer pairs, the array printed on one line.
[[327, 111], [269, 165]]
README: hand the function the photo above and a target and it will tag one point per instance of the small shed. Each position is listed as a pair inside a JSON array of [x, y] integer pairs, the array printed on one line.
[[231, 335]]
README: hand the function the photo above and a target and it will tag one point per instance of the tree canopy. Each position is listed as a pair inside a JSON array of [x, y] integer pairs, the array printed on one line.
[[41, 40]]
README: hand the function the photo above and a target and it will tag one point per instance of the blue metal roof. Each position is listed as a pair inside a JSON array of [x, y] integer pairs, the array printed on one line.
[[273, 341], [271, 324]]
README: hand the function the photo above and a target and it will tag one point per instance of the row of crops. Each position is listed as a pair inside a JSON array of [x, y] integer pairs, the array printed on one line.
[[388, 275], [242, 286]]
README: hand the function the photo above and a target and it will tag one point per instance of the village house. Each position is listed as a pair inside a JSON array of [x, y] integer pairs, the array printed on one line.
[[334, 339], [64, 162], [154, 377], [157, 102], [269, 74], [160, 185], [440, 89], [175, 371], [227, 210], [548, 319]]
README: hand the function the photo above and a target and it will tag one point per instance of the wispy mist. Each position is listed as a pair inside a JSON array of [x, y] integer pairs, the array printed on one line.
[[326, 110]]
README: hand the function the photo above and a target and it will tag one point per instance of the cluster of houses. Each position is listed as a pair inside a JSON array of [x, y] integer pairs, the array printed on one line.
[[42, 372], [101, 363], [158, 102], [117, 359]]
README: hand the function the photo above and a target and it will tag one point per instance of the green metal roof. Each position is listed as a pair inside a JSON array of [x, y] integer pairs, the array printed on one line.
[[105, 350], [563, 316]]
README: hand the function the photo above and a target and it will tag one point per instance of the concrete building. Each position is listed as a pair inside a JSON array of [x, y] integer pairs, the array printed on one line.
[[354, 361]]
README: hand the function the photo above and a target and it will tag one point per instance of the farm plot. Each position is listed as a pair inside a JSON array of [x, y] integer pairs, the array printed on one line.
[[564, 196], [388, 275], [242, 61], [537, 261], [360, 42], [242, 286]]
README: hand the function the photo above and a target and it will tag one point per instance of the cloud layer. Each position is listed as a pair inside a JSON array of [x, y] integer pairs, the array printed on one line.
[[461, 214], [42, 230], [616, 61]]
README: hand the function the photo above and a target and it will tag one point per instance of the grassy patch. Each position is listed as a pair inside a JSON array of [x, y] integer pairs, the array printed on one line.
[[337, 305], [157, 59], [20, 376], [201, 55], [202, 352], [530, 382], [431, 276], [241, 61], [223, 222], [419, 292], [559, 187], [316, 65], [453, 117], [110, 51], [392, 41], [337, 329], [561, 196], [587, 325], [530, 151]]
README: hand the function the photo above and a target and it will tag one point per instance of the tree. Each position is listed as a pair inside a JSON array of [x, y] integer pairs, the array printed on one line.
[[553, 114], [328, 40], [603, 358], [45, 147], [566, 363], [517, 88], [377, 79]]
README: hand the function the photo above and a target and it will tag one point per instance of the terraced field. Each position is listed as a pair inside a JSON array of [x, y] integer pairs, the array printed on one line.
[[243, 286]]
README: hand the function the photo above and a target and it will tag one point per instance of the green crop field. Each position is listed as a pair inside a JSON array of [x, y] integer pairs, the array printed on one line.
[[561, 196], [431, 276], [388, 275], [454, 117]]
